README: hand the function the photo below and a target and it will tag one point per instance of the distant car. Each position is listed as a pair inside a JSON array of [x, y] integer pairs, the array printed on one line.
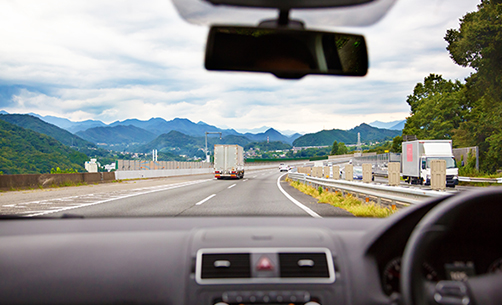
[[357, 173], [283, 167]]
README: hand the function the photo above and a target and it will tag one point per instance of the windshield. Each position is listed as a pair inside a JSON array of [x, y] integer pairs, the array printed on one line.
[[450, 162], [107, 110]]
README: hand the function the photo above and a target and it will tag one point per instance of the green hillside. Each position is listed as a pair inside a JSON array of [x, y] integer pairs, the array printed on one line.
[[176, 143], [24, 151], [373, 134], [232, 139], [327, 137], [36, 124]]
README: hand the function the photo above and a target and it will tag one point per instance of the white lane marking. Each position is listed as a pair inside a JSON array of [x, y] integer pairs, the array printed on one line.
[[169, 187], [254, 177], [204, 200], [244, 180], [301, 206], [231, 186]]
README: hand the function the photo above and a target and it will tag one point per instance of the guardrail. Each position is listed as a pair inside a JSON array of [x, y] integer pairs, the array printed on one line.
[[394, 194], [474, 179], [462, 179]]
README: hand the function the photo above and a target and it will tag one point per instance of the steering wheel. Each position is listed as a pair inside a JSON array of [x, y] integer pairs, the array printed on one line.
[[481, 290]]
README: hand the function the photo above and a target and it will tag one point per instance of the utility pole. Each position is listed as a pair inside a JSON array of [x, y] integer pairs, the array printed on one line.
[[209, 132]]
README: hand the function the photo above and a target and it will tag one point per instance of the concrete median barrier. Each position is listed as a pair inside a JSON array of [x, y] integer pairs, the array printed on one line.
[[8, 182]]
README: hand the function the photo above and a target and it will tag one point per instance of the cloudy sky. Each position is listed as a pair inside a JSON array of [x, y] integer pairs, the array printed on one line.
[[115, 60]]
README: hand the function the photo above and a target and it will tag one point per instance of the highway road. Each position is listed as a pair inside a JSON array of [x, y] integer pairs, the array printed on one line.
[[260, 193]]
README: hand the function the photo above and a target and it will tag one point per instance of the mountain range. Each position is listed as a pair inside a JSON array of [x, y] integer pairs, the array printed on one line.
[[30, 144], [71, 126], [140, 135], [394, 125], [120, 134], [89, 129], [327, 137]]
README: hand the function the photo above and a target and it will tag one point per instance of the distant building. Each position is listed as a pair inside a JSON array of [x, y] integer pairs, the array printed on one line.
[[92, 166], [110, 167]]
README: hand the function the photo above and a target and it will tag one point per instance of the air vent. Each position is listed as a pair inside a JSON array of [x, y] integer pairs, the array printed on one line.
[[264, 265], [304, 265], [226, 266]]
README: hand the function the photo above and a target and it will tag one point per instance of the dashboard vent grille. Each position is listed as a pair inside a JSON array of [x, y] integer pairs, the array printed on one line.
[[303, 265], [226, 266]]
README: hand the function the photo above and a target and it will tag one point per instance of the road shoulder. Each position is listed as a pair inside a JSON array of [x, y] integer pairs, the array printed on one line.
[[323, 209]]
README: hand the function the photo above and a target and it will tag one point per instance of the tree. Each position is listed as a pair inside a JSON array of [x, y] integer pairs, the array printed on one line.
[[342, 149], [437, 108], [477, 44], [397, 144], [470, 113], [334, 148]]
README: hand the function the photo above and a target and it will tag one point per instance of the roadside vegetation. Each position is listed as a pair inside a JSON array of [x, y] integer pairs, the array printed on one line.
[[469, 112], [347, 202]]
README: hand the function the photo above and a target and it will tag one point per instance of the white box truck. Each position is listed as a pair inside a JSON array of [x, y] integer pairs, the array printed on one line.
[[228, 161], [416, 159]]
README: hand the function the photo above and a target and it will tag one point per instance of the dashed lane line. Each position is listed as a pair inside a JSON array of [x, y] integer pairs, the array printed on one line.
[[206, 199]]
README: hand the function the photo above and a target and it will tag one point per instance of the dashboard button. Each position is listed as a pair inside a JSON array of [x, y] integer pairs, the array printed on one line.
[[264, 264], [229, 297]]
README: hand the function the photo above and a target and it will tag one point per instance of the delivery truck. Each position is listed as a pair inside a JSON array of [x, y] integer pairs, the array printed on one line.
[[416, 158], [228, 161]]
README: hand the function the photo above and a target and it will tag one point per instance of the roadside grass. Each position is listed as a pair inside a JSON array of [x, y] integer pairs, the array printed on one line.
[[471, 172], [69, 183], [347, 202]]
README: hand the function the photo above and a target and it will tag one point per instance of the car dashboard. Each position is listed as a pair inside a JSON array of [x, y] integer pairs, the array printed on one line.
[[239, 260]]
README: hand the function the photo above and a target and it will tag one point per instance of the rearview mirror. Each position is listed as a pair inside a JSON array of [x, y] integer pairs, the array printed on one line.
[[286, 53]]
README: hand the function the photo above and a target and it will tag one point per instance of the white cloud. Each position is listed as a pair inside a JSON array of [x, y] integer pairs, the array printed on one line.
[[113, 60]]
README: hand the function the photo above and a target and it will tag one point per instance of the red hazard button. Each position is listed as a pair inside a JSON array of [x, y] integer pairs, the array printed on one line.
[[264, 264]]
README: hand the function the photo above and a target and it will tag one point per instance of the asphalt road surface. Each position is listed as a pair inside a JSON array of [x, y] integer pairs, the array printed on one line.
[[260, 193]]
